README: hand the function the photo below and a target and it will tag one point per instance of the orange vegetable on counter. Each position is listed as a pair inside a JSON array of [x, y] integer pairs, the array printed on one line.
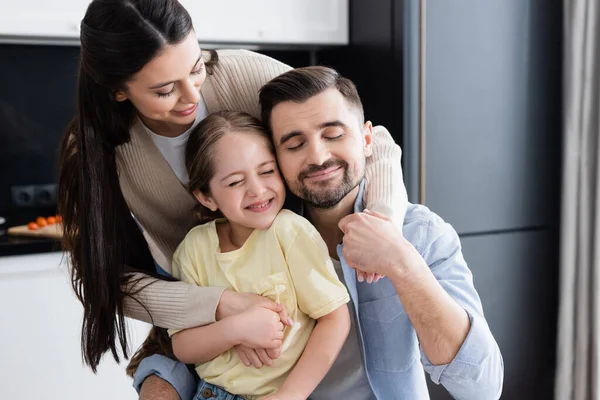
[[41, 221], [51, 220], [32, 226]]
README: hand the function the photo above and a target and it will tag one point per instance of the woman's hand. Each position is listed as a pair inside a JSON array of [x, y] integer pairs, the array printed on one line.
[[233, 303]]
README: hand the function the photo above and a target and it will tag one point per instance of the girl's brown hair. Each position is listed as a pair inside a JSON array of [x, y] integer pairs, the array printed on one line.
[[200, 150]]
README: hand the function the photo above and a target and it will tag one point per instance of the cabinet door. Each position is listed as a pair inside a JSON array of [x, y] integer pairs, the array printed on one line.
[[270, 21], [515, 276], [492, 112], [42, 18], [40, 325]]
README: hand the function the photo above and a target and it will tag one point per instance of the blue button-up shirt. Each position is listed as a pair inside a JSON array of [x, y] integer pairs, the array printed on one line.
[[387, 339]]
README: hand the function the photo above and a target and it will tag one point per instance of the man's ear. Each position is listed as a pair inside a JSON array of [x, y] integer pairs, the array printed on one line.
[[368, 138], [205, 200], [120, 95]]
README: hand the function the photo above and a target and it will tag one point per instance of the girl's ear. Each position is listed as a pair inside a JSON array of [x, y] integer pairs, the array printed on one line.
[[205, 200]]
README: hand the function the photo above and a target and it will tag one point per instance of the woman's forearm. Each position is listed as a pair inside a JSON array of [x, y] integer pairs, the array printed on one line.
[[202, 344], [322, 348], [177, 305]]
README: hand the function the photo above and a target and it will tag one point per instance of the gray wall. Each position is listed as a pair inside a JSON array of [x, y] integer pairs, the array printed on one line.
[[493, 106]]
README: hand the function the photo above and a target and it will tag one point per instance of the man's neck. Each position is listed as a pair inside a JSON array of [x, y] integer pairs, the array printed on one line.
[[326, 220]]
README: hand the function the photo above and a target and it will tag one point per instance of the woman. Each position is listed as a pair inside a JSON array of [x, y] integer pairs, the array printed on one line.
[[143, 84]]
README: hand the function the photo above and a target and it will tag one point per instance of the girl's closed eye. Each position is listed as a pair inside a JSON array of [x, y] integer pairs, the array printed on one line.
[[269, 172], [234, 183]]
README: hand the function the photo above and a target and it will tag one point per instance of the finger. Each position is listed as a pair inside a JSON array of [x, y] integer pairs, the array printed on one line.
[[343, 224], [264, 357], [278, 335], [274, 353], [242, 355], [378, 215], [271, 305], [370, 277], [254, 359], [284, 317], [378, 277], [279, 326], [360, 276]]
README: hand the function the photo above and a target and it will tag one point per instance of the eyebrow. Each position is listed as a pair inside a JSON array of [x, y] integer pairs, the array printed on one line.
[[262, 164], [158, 86], [324, 125]]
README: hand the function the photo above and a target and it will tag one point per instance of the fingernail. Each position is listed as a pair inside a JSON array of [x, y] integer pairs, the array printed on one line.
[[290, 321], [369, 279], [361, 278]]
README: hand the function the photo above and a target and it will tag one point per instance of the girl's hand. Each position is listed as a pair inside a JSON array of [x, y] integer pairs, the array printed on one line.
[[234, 303], [257, 357], [259, 328]]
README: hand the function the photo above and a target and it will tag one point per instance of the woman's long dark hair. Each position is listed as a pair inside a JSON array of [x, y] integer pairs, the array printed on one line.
[[118, 37]]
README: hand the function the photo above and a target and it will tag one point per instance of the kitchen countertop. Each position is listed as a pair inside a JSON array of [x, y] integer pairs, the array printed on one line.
[[21, 245]]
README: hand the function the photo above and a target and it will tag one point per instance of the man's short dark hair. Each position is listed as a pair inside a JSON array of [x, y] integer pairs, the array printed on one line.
[[300, 84]]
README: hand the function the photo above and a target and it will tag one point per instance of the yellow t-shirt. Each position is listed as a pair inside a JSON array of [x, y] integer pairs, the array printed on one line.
[[288, 263]]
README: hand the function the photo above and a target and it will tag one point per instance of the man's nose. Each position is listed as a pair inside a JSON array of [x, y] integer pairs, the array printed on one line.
[[318, 153]]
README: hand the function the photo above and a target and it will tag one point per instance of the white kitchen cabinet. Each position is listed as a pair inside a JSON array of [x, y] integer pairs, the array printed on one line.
[[266, 22], [40, 327]]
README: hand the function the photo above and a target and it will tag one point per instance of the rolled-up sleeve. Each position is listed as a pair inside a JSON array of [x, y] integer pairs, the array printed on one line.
[[477, 370], [174, 372]]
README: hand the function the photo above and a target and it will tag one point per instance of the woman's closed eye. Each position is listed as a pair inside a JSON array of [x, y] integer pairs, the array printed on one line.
[[269, 172], [167, 94], [198, 70], [235, 183]]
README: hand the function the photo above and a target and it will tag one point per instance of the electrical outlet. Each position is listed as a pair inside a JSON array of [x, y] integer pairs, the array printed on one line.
[[45, 195], [30, 196]]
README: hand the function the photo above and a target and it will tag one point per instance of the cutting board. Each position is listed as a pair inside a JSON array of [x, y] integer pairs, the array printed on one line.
[[53, 231]]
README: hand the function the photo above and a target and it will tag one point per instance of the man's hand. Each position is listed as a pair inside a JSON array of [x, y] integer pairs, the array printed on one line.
[[374, 244], [233, 303]]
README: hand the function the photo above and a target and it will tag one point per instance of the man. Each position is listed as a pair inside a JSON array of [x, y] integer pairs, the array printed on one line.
[[426, 307]]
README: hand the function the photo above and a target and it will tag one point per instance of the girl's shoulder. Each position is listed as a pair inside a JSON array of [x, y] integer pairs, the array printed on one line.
[[291, 224]]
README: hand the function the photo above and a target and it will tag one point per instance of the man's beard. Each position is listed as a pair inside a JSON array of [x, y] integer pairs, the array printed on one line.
[[325, 198]]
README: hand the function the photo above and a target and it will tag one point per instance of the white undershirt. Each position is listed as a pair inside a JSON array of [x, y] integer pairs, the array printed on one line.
[[347, 378], [173, 148]]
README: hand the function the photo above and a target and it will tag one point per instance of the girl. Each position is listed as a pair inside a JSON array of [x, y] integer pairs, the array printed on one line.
[[256, 248], [143, 82]]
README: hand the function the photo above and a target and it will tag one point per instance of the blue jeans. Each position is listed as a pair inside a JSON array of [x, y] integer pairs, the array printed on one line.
[[207, 391]]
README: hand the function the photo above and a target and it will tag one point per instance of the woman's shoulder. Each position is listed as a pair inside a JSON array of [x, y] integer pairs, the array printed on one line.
[[241, 58]]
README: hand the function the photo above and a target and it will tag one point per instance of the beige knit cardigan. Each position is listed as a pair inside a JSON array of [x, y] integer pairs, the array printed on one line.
[[163, 207]]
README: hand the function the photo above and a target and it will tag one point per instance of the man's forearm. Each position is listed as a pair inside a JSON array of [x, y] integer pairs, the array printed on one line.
[[440, 322]]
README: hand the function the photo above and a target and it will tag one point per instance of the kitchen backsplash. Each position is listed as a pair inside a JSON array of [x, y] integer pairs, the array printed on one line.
[[37, 100]]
